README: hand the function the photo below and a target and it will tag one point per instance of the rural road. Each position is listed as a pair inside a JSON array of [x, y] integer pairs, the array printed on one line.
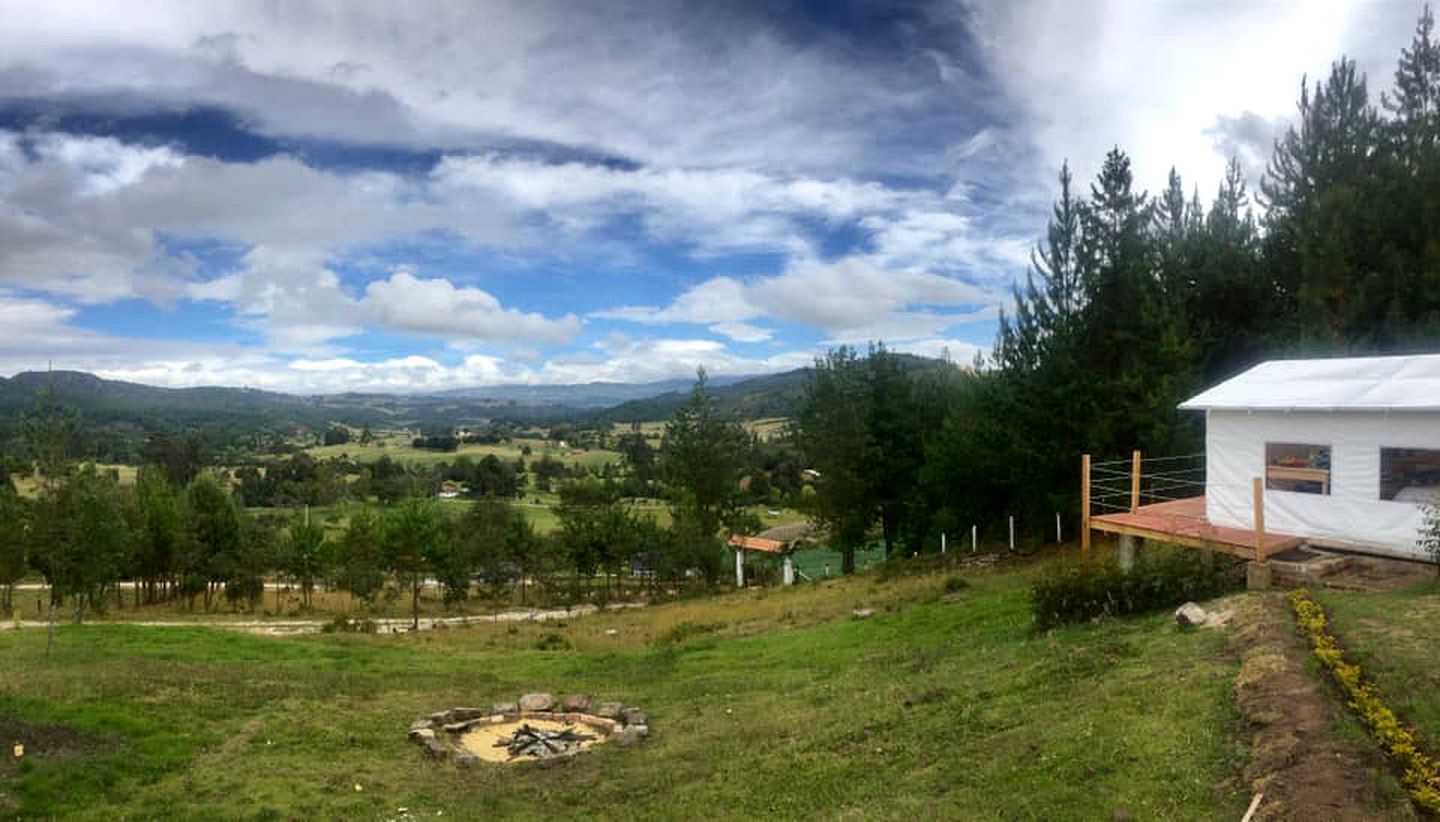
[[291, 627]]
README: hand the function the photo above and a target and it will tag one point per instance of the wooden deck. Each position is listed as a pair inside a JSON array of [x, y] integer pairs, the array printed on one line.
[[1183, 522]]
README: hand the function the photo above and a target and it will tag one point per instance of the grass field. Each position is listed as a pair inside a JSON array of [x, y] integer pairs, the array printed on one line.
[[398, 448], [763, 703], [29, 486], [1394, 637]]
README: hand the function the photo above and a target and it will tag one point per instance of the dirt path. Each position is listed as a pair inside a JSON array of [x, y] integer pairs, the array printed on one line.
[[290, 627], [1304, 770]]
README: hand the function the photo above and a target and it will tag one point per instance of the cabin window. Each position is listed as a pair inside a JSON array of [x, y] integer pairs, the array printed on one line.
[[1410, 475], [1297, 467]]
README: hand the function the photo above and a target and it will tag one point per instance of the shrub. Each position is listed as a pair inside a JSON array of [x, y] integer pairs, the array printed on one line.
[[955, 584], [1162, 577], [553, 642], [687, 629], [342, 625], [1430, 532]]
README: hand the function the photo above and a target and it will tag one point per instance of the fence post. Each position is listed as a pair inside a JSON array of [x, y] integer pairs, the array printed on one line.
[[942, 542], [974, 540], [1012, 533], [1135, 481], [1259, 520], [1085, 504], [1058, 540]]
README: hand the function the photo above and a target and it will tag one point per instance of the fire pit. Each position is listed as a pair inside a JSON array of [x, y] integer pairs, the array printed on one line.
[[538, 727]]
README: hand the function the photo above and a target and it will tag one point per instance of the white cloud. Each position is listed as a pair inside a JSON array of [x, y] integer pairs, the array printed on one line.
[[669, 85], [436, 307], [844, 298], [1154, 78]]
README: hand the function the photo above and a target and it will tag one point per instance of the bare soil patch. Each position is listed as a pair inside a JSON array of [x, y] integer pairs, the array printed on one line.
[[42, 743], [1303, 769]]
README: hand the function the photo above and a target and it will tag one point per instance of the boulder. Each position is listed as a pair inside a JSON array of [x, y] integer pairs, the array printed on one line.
[[465, 759], [631, 735], [634, 716], [505, 708], [421, 734], [441, 718], [537, 702], [436, 749], [461, 727], [609, 710], [577, 703], [419, 724], [462, 714], [1189, 615]]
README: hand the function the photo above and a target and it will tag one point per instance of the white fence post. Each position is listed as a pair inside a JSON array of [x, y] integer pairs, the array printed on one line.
[[1058, 540], [942, 542], [1012, 534], [974, 538]]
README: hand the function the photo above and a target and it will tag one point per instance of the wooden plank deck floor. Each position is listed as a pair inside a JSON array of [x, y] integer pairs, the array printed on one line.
[[1183, 522]]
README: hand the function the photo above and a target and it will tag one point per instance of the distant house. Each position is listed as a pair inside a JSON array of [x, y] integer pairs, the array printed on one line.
[[1348, 449], [451, 490]]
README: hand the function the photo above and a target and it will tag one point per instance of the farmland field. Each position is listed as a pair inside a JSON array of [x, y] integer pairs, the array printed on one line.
[[399, 448]]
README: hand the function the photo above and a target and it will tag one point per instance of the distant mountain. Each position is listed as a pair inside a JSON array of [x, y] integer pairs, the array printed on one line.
[[579, 395], [116, 416], [772, 395]]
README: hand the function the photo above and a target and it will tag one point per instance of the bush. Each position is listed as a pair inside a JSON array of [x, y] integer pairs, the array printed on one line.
[[955, 585], [342, 625], [1162, 578], [553, 642]]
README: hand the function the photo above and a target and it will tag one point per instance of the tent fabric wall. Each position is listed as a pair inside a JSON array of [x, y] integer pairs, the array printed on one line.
[[1352, 515]]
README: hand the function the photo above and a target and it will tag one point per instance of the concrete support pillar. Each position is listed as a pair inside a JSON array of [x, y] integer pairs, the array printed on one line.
[[1257, 576], [739, 567], [1129, 549], [788, 570]]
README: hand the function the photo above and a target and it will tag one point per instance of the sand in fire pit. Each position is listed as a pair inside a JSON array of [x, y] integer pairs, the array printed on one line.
[[481, 739]]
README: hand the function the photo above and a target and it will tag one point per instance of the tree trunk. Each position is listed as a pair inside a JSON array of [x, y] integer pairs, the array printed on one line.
[[415, 604], [847, 560]]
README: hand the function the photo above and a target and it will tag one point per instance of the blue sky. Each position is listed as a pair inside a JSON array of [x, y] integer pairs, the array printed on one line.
[[317, 197]]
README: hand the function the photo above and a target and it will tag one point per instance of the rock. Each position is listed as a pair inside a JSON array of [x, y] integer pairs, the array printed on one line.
[[419, 724], [436, 749], [577, 703], [863, 613], [633, 716], [537, 702], [441, 718], [1190, 615], [461, 727], [462, 714], [631, 735], [421, 734], [505, 708], [611, 632], [609, 710], [465, 759]]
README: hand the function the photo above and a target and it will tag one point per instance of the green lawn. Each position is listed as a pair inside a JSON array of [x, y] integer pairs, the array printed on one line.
[[779, 704], [1394, 637]]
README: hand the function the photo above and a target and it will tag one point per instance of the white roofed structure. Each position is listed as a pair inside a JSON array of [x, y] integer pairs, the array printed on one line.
[[1401, 383], [1348, 449]]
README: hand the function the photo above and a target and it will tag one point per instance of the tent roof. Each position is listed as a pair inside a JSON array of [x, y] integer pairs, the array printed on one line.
[[1406, 383]]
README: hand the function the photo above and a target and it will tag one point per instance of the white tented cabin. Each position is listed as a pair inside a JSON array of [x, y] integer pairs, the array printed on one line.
[[1348, 448]]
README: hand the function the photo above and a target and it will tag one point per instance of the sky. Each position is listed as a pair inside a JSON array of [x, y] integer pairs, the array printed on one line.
[[405, 197]]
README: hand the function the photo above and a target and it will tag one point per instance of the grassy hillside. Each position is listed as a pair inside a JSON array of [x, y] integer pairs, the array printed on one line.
[[762, 703]]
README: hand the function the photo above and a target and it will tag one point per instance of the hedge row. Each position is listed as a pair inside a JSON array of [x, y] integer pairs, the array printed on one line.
[[1162, 578]]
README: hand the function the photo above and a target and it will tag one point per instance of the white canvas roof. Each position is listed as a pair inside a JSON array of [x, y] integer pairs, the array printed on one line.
[[1405, 383]]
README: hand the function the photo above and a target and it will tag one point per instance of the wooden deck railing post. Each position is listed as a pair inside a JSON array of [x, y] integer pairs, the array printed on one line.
[[1259, 520], [1135, 481], [1085, 505]]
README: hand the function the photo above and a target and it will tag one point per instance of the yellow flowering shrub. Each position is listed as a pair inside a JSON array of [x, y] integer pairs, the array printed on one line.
[[1420, 772]]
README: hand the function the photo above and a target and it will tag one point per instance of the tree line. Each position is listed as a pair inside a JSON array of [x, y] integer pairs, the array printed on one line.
[[1134, 302]]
